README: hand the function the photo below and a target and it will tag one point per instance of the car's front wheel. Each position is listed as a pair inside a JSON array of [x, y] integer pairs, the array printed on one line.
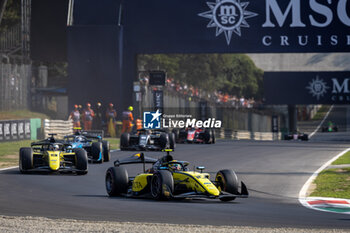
[[25, 159], [116, 180], [81, 161], [106, 151], [124, 141], [96, 152], [227, 181], [162, 185]]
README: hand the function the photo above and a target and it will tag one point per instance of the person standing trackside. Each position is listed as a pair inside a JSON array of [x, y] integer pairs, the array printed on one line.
[[127, 120], [75, 117], [88, 116], [111, 115], [98, 121]]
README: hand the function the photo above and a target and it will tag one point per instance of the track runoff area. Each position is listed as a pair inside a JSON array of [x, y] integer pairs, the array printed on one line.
[[276, 173]]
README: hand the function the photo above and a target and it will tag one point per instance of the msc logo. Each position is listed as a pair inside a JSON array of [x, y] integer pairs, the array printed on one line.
[[317, 88], [228, 16], [151, 120]]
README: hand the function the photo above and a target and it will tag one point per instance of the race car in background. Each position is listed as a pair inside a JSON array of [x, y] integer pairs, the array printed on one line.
[[171, 179], [194, 135], [52, 155], [330, 127], [147, 139], [296, 136], [98, 150]]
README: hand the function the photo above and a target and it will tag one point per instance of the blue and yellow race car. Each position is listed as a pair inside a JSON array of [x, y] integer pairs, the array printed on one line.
[[98, 150], [54, 156], [171, 179]]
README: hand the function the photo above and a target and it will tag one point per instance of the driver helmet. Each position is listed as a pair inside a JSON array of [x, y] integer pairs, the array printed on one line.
[[54, 147], [175, 166], [78, 139]]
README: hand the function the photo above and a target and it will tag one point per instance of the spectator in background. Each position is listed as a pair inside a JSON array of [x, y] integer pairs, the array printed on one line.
[[128, 118], [75, 117], [88, 116], [111, 115], [98, 121]]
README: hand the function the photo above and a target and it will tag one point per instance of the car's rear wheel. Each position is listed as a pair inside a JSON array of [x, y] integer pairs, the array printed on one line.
[[227, 181], [304, 137], [213, 139], [162, 185], [96, 152], [176, 134], [106, 151], [25, 159], [116, 180], [172, 142], [124, 141], [81, 161], [207, 136], [163, 140]]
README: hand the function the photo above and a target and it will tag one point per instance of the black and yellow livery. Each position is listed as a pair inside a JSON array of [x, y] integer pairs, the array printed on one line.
[[171, 179], [52, 155]]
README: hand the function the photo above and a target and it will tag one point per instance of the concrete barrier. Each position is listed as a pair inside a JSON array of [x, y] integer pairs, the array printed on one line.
[[247, 135], [59, 127]]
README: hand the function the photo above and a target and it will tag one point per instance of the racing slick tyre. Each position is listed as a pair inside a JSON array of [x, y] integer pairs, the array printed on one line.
[[176, 134], [172, 141], [106, 151], [96, 152], [213, 139], [335, 129], [227, 181], [304, 137], [124, 141], [81, 161], [162, 185], [117, 180], [163, 140], [207, 136], [25, 159]]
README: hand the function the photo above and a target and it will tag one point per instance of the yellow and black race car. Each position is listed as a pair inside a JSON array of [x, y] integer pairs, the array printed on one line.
[[171, 179], [52, 155]]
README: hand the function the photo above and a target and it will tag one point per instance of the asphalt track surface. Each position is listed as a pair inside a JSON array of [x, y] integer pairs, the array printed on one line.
[[274, 173]]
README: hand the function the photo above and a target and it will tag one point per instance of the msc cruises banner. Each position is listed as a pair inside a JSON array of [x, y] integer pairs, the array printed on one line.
[[307, 87], [204, 26]]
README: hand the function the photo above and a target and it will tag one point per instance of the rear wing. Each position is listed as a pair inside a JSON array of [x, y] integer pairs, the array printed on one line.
[[93, 133], [136, 158]]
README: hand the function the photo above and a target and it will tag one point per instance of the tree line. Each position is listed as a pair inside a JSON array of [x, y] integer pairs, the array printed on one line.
[[234, 74]]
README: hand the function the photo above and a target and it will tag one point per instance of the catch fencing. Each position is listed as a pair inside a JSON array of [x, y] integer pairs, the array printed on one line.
[[14, 86], [247, 135], [237, 123]]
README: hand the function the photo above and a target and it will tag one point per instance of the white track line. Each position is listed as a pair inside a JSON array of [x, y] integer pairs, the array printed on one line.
[[8, 168], [324, 118], [303, 191]]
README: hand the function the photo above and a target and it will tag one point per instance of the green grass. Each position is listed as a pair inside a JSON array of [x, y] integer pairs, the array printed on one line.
[[344, 159], [114, 142], [9, 152], [21, 114], [333, 183], [321, 113]]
